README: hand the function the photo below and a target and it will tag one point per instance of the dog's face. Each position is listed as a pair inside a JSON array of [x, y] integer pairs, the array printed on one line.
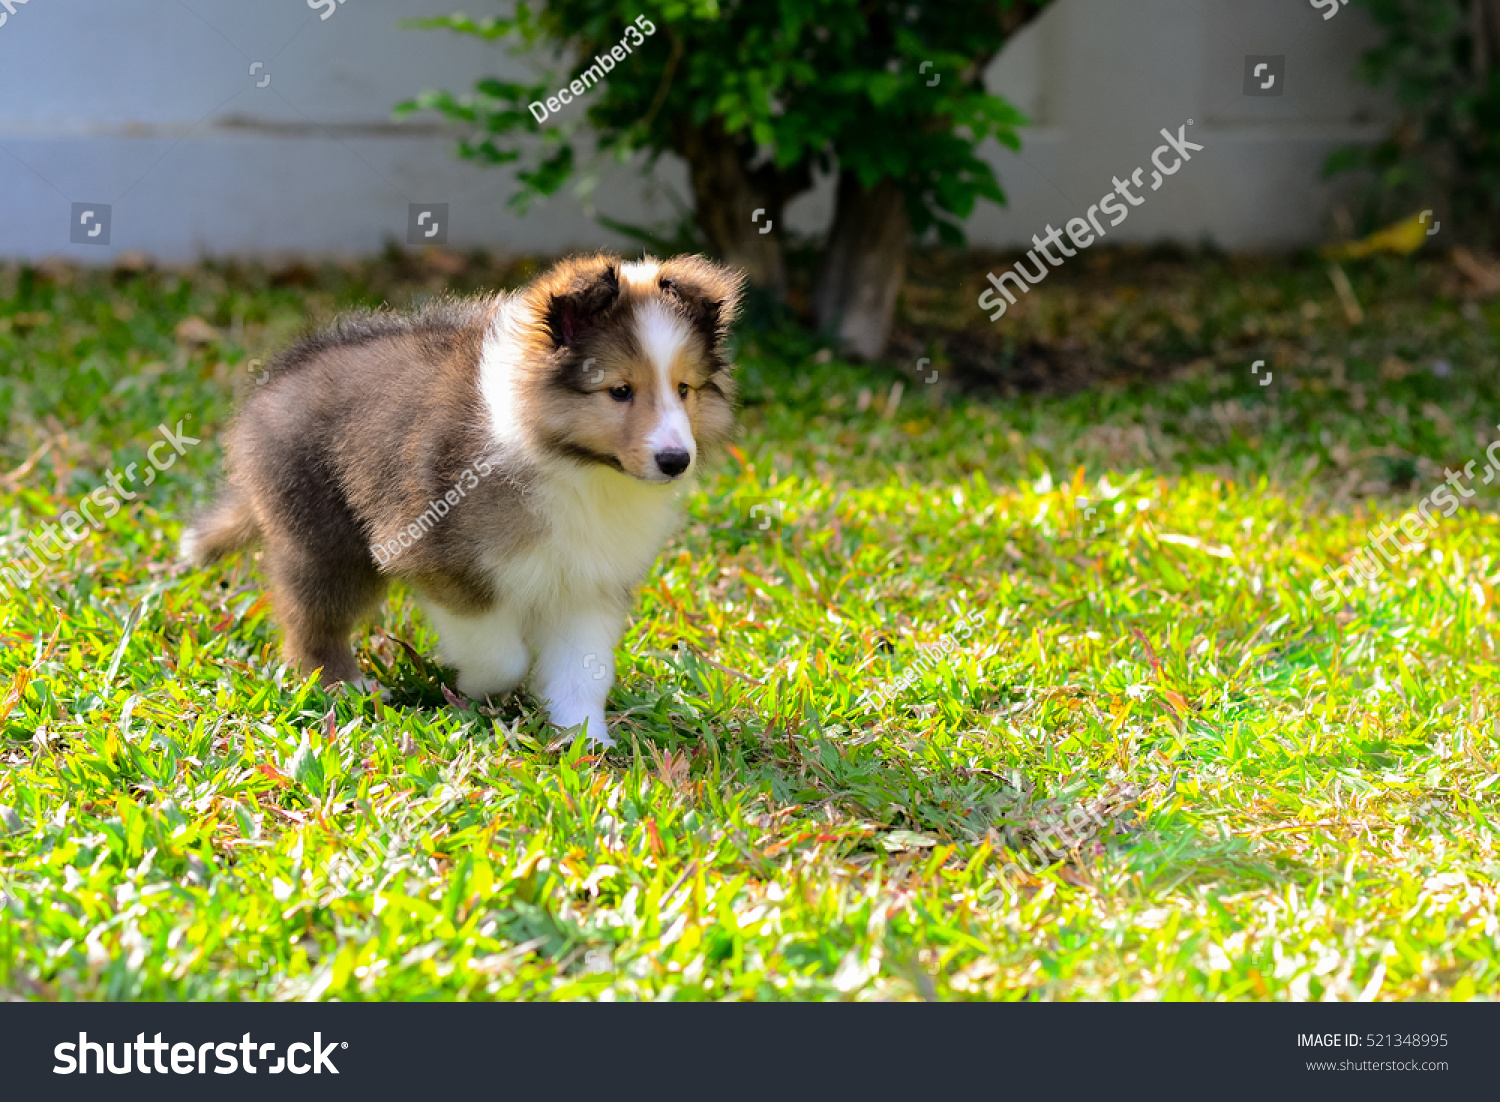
[[635, 373]]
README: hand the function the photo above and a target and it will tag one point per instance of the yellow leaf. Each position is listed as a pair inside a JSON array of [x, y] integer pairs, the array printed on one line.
[[17, 690]]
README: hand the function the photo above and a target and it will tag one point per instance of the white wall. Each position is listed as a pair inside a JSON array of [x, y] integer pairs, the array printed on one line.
[[149, 106]]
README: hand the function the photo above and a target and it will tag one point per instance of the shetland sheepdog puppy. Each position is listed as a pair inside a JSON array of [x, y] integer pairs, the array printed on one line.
[[518, 459]]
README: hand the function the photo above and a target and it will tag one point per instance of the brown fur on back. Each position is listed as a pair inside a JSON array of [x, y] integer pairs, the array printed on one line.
[[355, 430]]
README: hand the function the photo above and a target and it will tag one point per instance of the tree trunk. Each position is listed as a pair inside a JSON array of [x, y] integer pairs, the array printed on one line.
[[855, 297], [726, 194], [1485, 28], [1486, 44]]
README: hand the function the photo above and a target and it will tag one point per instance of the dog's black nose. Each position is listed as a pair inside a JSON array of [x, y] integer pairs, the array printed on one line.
[[673, 461]]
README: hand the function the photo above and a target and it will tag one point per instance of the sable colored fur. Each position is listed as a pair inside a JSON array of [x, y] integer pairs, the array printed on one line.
[[519, 459]]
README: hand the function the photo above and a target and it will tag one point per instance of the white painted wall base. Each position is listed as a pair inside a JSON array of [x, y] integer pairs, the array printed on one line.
[[151, 107]]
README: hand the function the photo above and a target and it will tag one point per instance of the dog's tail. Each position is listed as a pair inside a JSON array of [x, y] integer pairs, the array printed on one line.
[[227, 527]]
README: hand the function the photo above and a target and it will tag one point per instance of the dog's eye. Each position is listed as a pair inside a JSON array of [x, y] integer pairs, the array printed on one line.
[[621, 393], [682, 391]]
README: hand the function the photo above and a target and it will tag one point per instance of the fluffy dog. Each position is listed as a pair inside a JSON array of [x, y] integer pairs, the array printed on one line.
[[519, 459]]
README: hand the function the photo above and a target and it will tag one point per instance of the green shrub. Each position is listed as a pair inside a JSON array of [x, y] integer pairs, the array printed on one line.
[[757, 98], [1439, 58]]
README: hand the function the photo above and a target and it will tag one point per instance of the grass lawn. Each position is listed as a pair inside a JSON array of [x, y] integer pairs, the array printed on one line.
[[1156, 769]]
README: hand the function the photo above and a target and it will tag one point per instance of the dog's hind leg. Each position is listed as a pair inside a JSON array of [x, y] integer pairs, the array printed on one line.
[[319, 599]]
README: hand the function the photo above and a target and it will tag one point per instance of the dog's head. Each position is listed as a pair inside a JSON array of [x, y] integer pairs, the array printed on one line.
[[634, 369]]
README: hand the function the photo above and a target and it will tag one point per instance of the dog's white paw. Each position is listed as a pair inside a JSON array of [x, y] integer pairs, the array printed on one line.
[[595, 730]]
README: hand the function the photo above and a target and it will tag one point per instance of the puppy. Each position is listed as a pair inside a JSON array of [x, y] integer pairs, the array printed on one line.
[[518, 459]]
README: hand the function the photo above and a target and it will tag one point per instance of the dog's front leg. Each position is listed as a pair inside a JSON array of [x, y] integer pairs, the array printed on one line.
[[488, 649], [575, 667]]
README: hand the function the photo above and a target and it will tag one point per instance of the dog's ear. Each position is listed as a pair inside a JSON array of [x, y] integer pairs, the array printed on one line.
[[576, 295], [707, 293]]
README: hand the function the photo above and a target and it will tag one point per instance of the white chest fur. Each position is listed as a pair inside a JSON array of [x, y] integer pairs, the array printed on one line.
[[562, 602], [603, 531]]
